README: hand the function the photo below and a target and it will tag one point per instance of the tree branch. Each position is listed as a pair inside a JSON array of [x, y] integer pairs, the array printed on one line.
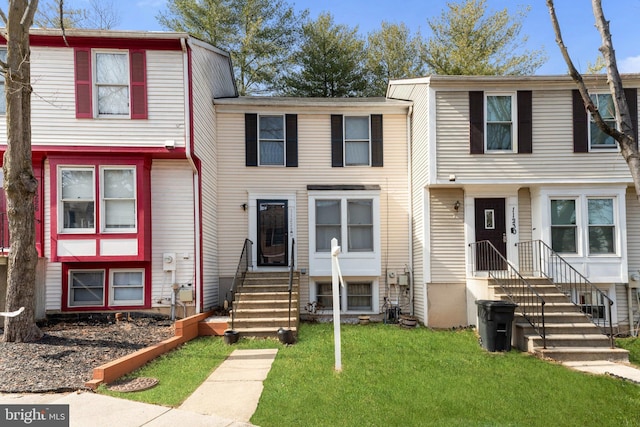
[[4, 18], [29, 13]]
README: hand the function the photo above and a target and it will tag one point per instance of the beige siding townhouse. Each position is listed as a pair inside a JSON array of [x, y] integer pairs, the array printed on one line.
[[516, 161], [305, 171]]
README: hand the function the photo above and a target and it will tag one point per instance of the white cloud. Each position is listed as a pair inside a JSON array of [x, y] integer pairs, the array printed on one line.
[[630, 64]]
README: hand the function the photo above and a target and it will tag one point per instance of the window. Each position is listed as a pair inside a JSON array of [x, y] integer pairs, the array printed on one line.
[[501, 122], [110, 83], [360, 225], [77, 209], [584, 225], [77, 199], [86, 288], [563, 226], [356, 140], [598, 139], [119, 199], [499, 126], [3, 100], [271, 141], [127, 287], [356, 296], [357, 222], [601, 226]]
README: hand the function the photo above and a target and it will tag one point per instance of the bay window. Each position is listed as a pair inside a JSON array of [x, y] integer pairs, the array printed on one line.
[[77, 199], [584, 225]]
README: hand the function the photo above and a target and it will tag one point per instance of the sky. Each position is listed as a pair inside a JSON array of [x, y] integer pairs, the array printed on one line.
[[575, 17]]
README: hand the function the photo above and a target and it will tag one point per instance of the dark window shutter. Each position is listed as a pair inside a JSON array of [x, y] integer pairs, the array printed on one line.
[[251, 139], [476, 122], [632, 102], [138, 84], [337, 146], [83, 83], [292, 140], [580, 124], [377, 158], [524, 122]]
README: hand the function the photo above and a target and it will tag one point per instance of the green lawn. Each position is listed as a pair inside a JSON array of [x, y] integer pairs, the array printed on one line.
[[400, 377]]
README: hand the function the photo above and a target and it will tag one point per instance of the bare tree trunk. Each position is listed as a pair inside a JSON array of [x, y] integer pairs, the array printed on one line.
[[19, 182], [624, 136]]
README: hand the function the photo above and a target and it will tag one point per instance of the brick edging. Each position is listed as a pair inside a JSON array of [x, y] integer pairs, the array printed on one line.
[[185, 330]]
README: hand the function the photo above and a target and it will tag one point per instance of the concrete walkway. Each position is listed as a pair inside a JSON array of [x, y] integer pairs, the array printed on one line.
[[228, 398], [603, 367]]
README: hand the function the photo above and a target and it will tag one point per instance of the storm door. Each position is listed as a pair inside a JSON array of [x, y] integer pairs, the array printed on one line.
[[490, 225], [272, 233]]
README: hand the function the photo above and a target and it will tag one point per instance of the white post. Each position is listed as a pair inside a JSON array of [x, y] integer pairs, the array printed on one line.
[[335, 283]]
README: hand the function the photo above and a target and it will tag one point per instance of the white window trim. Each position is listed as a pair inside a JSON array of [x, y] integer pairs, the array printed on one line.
[[70, 301], [590, 120], [344, 140], [375, 294], [284, 140], [360, 264], [112, 301], [103, 217], [95, 85], [63, 230], [514, 122]]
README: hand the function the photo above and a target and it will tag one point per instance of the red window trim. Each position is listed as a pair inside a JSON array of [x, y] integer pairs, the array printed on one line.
[[143, 209], [106, 267], [83, 75]]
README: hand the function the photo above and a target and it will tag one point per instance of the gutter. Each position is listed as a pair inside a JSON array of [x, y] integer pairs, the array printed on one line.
[[196, 174], [410, 210]]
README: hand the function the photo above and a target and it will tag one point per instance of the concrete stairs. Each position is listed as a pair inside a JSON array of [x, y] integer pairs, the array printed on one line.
[[571, 336], [262, 304]]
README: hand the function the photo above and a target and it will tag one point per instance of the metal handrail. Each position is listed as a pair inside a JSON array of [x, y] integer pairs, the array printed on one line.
[[291, 269], [538, 258], [485, 257], [238, 279]]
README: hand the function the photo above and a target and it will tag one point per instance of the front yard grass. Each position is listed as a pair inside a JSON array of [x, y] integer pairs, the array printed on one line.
[[404, 377]]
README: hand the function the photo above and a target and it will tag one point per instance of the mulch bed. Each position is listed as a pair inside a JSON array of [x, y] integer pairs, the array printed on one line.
[[63, 360]]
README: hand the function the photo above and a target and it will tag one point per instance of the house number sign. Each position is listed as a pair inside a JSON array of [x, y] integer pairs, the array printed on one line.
[[513, 221]]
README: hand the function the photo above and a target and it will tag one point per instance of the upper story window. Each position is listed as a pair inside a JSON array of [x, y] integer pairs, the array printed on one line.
[[499, 129], [271, 140], [597, 138], [500, 122], [3, 100], [584, 224], [77, 199], [356, 140], [110, 83]]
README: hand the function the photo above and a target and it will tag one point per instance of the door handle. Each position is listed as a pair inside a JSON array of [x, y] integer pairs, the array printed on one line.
[[504, 237]]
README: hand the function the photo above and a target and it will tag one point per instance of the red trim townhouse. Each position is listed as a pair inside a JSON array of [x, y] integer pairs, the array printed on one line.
[[122, 142]]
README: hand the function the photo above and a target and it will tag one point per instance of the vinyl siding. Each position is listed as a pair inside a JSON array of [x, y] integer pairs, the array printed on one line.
[[236, 181], [552, 159], [524, 215], [205, 148], [53, 270], [633, 252], [172, 225], [447, 236], [54, 121]]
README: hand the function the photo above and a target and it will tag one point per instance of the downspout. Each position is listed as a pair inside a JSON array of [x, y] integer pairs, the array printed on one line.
[[196, 176], [410, 184]]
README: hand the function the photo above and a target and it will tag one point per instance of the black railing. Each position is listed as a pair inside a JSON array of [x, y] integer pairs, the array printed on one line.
[[485, 257], [238, 279], [292, 266], [539, 259]]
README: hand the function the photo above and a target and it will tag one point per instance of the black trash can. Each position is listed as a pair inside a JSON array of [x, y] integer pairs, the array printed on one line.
[[495, 319]]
